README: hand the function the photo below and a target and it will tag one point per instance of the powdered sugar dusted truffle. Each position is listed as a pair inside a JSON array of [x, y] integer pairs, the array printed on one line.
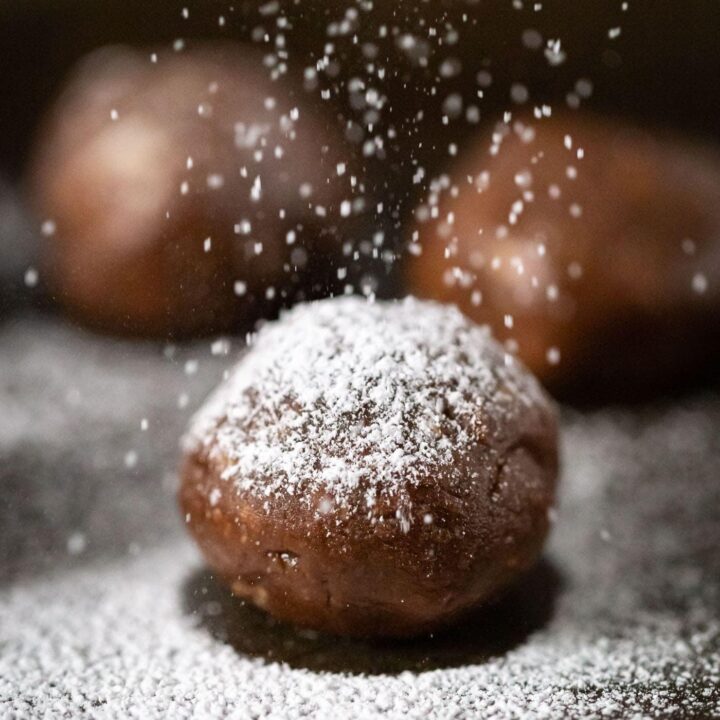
[[371, 469]]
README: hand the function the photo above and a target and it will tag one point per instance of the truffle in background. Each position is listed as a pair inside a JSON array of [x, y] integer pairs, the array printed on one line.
[[188, 192], [592, 247]]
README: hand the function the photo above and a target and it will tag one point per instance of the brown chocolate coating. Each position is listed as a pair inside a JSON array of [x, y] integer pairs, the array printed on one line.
[[170, 181], [267, 498], [603, 270]]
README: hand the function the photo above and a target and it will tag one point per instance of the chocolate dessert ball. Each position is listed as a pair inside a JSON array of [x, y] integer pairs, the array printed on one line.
[[593, 247], [371, 469], [180, 186]]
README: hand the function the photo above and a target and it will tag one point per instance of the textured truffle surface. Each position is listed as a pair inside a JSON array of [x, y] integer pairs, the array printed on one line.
[[372, 468]]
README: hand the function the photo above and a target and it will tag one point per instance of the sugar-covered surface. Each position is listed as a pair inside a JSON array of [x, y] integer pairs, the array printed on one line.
[[106, 611], [345, 396]]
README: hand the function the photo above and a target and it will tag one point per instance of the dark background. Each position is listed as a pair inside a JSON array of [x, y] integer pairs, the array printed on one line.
[[664, 67]]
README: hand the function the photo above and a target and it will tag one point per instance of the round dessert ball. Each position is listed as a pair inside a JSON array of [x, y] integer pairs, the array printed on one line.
[[592, 247], [183, 188], [371, 469]]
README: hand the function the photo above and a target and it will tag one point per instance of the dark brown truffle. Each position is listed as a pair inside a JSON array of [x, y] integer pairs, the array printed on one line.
[[592, 246], [371, 469], [179, 185]]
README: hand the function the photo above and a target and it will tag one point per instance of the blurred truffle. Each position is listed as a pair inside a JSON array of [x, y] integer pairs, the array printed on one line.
[[592, 247], [183, 188]]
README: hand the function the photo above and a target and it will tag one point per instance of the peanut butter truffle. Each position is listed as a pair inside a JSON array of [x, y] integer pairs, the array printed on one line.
[[371, 469], [591, 245], [180, 187]]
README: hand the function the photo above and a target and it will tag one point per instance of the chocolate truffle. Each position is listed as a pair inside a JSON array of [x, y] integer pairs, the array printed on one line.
[[592, 246], [181, 186], [371, 469]]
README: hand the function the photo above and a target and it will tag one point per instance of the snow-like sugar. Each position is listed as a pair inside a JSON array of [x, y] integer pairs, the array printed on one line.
[[345, 392], [130, 628]]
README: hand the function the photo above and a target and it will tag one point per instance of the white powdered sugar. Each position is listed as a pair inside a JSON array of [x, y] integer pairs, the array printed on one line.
[[621, 620], [346, 395]]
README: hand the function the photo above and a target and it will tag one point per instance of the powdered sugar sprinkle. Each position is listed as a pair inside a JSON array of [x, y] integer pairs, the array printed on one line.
[[346, 395]]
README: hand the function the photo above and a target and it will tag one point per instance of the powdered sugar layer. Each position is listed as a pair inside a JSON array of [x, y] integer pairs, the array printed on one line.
[[345, 395], [632, 631]]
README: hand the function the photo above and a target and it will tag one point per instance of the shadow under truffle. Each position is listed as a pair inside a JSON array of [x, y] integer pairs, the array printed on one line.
[[488, 632]]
